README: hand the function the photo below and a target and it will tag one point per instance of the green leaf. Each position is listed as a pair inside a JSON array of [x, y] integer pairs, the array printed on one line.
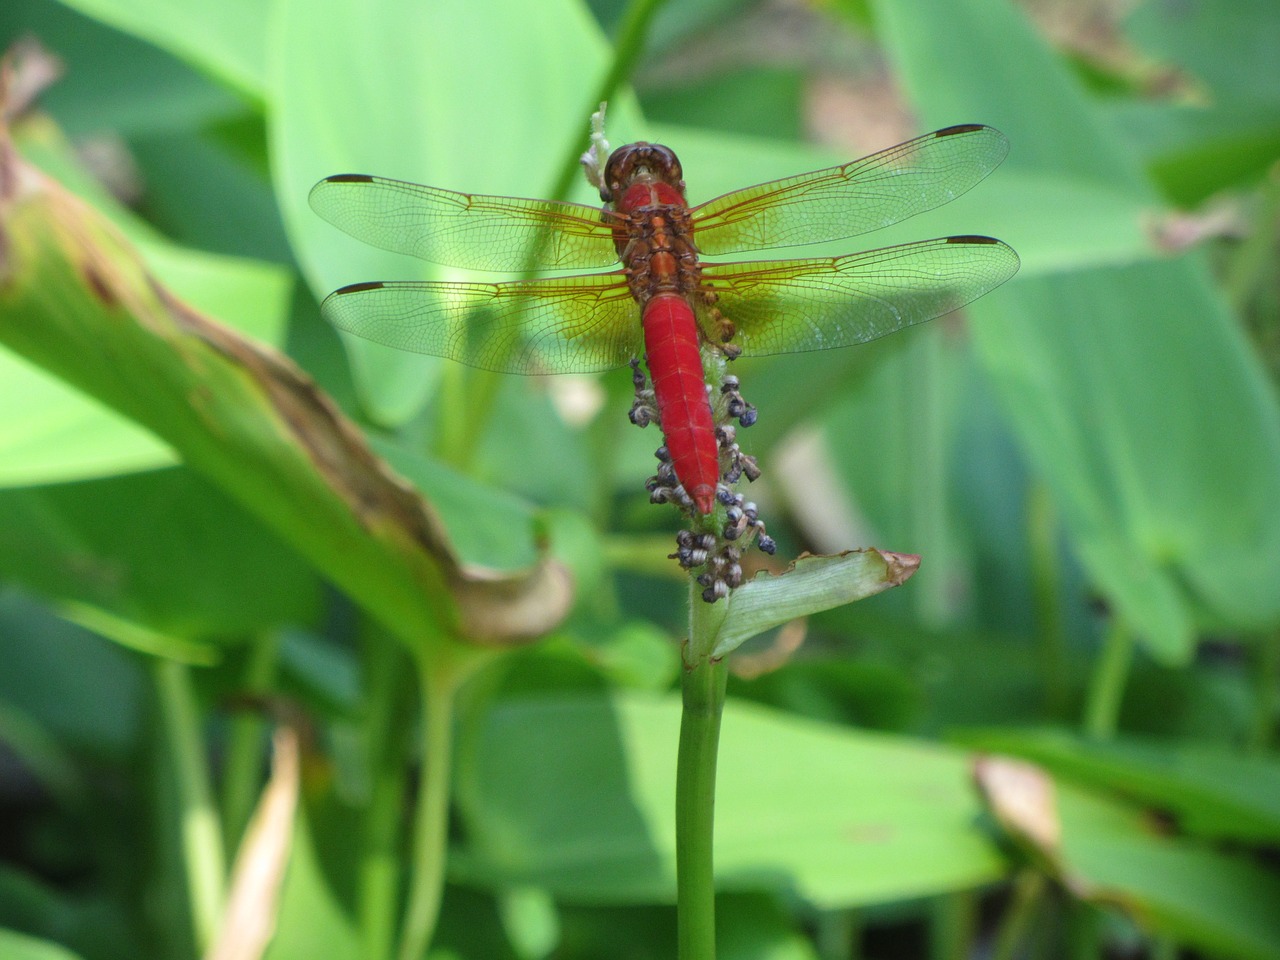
[[756, 927], [1212, 791], [17, 946], [762, 101], [199, 566], [1102, 372], [1230, 48], [224, 37], [490, 528], [114, 82], [811, 585], [311, 922], [1110, 853], [576, 794], [1170, 513], [88, 694], [51, 433]]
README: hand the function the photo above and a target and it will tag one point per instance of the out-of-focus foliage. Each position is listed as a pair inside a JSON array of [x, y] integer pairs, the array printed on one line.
[[1087, 461]]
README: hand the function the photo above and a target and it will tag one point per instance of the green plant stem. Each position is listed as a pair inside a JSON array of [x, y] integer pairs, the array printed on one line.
[[1264, 715], [1085, 932], [246, 748], [1106, 687], [838, 934], [953, 923], [703, 692], [439, 681], [202, 850], [1252, 262], [1028, 887], [383, 748], [627, 49]]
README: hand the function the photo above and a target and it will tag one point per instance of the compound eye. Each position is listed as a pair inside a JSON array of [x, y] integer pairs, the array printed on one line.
[[670, 163], [617, 171]]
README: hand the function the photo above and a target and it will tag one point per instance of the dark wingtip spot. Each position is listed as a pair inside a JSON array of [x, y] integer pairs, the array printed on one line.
[[972, 238], [349, 178], [960, 128], [358, 288]]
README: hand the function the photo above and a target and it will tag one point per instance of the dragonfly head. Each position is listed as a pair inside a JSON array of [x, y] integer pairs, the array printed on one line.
[[640, 162]]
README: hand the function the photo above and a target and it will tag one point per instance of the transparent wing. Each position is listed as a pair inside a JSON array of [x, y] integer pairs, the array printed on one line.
[[791, 306], [569, 325], [852, 199], [465, 230]]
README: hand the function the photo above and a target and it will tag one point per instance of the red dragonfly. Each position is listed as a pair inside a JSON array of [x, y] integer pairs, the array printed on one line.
[[585, 323]]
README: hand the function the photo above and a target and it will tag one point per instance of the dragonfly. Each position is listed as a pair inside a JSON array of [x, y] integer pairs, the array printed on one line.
[[663, 301]]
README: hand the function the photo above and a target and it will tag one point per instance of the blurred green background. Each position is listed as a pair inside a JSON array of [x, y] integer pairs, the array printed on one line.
[[1088, 461]]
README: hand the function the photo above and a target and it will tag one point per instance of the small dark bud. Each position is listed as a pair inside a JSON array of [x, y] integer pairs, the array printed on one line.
[[748, 416], [733, 576], [766, 544], [695, 558], [725, 495], [684, 538], [663, 454]]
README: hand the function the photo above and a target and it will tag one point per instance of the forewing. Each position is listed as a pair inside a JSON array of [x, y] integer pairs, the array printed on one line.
[[465, 230], [571, 325], [791, 306], [852, 199]]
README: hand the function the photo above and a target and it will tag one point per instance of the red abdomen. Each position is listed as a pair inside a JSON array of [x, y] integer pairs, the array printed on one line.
[[675, 366]]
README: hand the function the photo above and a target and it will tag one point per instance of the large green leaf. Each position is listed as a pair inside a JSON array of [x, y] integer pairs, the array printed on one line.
[[1129, 388], [50, 432], [198, 565], [576, 794], [480, 97], [113, 81], [312, 921], [225, 37], [1210, 790], [1109, 852], [17, 946]]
